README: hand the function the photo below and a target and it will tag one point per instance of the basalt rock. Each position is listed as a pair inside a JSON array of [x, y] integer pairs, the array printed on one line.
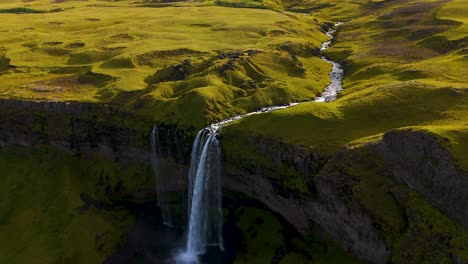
[[297, 182], [325, 202], [332, 198], [419, 160]]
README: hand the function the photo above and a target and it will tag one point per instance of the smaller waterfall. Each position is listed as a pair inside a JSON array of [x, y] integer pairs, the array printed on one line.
[[166, 153], [164, 202]]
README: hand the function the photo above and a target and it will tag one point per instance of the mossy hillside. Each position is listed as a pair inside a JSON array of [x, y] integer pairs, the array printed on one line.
[[317, 248], [431, 236], [388, 84], [56, 208], [453, 136], [262, 235], [454, 12], [414, 230], [98, 59], [327, 127], [251, 157], [266, 239]]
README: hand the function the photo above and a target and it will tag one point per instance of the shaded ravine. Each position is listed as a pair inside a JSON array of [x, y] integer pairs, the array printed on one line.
[[204, 192]]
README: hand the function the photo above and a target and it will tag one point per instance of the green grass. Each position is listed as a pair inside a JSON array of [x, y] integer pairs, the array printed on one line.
[[316, 250], [125, 43], [431, 236], [42, 219], [262, 234], [388, 84]]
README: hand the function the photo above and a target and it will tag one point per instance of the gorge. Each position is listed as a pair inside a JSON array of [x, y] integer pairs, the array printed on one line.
[[107, 152], [205, 175]]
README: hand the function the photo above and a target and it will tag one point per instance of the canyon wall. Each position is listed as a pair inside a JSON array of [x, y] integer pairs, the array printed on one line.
[[299, 183]]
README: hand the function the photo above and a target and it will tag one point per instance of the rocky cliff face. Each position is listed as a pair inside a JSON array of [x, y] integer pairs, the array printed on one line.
[[345, 194], [325, 202], [297, 182], [425, 165], [76, 127]]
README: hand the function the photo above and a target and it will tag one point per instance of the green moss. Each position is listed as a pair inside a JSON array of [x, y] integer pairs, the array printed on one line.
[[374, 189], [388, 85], [43, 215], [112, 41], [262, 235], [118, 63], [431, 236], [89, 57], [316, 247], [96, 79]]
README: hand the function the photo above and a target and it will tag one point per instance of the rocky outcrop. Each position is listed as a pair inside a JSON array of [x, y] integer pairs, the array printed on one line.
[[296, 182], [76, 127], [420, 160], [81, 128], [325, 203], [343, 216], [333, 198]]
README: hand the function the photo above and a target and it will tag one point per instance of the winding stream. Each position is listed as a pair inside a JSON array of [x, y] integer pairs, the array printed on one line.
[[205, 196]]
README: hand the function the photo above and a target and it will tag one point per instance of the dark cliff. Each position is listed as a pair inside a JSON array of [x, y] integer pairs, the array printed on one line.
[[371, 198]]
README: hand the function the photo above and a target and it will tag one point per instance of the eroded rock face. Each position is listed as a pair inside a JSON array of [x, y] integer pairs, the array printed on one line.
[[425, 165], [76, 127], [324, 203], [339, 213], [296, 182], [332, 199]]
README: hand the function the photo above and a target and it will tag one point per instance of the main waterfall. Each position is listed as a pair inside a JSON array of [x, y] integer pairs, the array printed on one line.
[[205, 196], [205, 214]]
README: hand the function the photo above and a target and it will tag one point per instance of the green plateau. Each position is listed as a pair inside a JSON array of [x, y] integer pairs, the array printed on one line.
[[186, 64]]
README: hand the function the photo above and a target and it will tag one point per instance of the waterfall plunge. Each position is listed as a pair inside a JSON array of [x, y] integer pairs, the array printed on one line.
[[205, 197]]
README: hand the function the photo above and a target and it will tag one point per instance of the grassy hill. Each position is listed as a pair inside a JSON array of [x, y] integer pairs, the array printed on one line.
[[192, 63], [184, 62], [405, 66]]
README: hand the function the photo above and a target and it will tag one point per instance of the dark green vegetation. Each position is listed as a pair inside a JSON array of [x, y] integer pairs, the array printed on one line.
[[392, 80], [207, 64], [414, 230], [405, 65], [191, 63], [55, 208], [267, 239]]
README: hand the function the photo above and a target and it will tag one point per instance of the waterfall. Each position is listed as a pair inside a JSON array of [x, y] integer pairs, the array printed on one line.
[[205, 196], [166, 153], [162, 192], [204, 188]]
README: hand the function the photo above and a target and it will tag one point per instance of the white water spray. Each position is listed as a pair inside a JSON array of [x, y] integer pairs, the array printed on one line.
[[205, 196]]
